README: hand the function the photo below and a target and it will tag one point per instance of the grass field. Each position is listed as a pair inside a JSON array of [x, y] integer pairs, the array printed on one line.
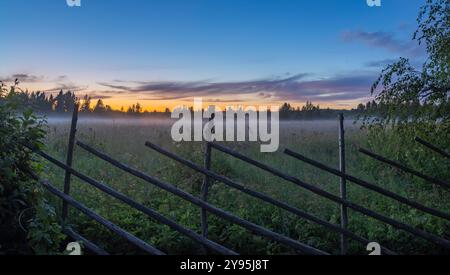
[[125, 140]]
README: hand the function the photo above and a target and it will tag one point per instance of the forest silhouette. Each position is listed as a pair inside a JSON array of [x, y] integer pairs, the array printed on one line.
[[64, 102]]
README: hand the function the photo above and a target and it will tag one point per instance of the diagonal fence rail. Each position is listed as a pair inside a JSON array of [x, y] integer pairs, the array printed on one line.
[[261, 196], [432, 147], [210, 208], [146, 210], [318, 191], [91, 214], [404, 168], [399, 225], [370, 186]]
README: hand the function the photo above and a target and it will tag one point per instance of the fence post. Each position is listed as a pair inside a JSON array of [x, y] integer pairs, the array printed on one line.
[[205, 188], [343, 184], [206, 183], [71, 145]]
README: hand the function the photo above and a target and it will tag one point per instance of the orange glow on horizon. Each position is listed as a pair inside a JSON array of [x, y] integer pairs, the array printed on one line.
[[125, 101], [160, 106]]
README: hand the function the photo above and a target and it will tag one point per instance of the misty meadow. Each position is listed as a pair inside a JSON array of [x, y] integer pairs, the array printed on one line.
[[331, 135]]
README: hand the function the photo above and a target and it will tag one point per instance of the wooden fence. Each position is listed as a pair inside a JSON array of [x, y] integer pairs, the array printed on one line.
[[207, 208]]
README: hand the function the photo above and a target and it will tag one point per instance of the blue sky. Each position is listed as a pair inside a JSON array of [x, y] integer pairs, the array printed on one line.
[[163, 52]]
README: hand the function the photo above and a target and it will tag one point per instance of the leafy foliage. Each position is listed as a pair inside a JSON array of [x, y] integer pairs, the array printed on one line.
[[411, 94], [415, 102], [27, 222]]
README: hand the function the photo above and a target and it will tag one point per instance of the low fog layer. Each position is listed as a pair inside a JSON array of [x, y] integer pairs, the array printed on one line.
[[314, 125]]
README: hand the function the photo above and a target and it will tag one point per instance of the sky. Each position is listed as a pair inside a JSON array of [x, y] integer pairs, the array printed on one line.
[[163, 53]]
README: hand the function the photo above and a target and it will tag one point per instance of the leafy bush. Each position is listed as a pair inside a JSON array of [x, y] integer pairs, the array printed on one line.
[[27, 222], [415, 102]]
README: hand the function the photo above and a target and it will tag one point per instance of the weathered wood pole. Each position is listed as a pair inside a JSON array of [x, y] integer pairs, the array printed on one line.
[[69, 160], [343, 184], [205, 188], [206, 183]]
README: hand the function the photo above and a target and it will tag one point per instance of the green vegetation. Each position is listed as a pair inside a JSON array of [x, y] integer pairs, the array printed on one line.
[[415, 101], [27, 222]]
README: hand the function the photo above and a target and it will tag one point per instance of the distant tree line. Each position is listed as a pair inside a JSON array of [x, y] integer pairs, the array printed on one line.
[[64, 102], [311, 111]]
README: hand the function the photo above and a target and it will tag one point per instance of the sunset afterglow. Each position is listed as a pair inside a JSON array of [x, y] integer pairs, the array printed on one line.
[[165, 53]]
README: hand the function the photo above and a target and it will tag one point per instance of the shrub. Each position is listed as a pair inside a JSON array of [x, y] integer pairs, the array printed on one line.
[[27, 222]]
